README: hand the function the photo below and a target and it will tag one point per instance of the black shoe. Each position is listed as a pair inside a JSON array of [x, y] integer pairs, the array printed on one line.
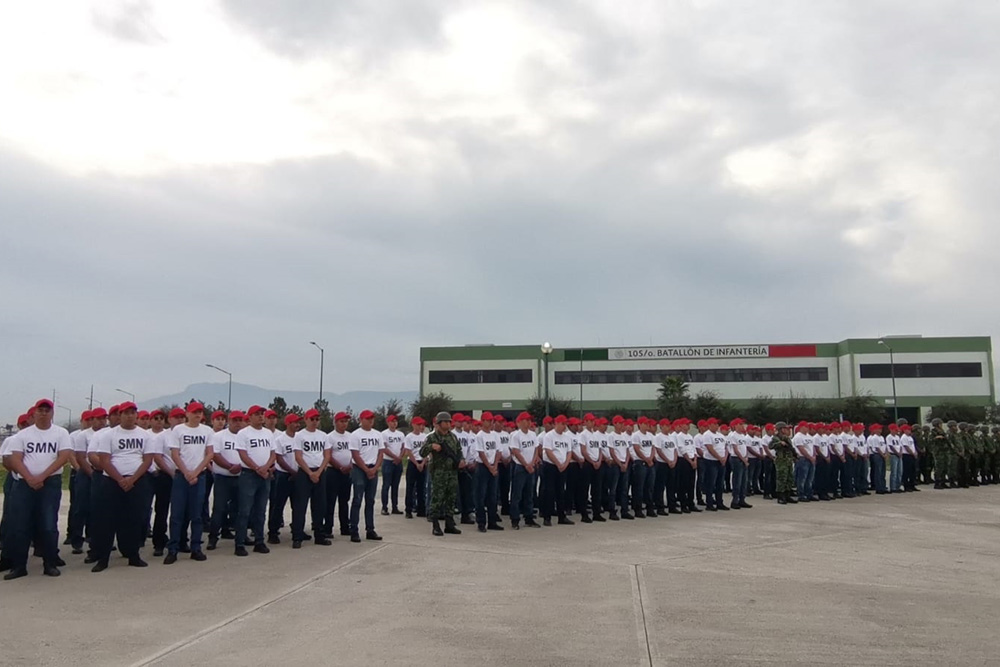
[[674, 510], [185, 549], [372, 535], [77, 550], [661, 512], [228, 534], [241, 552], [711, 508], [686, 510], [213, 542], [436, 529], [261, 548], [385, 512], [467, 520], [639, 514], [745, 505], [355, 537], [566, 521], [170, 559], [15, 574], [450, 528], [409, 514], [694, 510], [5, 565], [296, 544], [546, 522], [792, 500], [306, 537], [651, 514], [494, 526], [614, 516], [323, 541], [395, 510], [515, 526], [157, 553], [68, 541], [586, 519], [59, 562], [482, 529], [136, 561], [273, 539], [732, 506], [600, 518], [627, 516], [531, 523], [198, 556], [51, 571], [782, 501]]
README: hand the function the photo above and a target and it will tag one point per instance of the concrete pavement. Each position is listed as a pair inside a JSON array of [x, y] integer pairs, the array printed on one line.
[[912, 579]]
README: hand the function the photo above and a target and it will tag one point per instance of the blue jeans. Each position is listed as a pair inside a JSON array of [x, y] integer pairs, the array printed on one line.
[[227, 492], [185, 501], [33, 515], [521, 497], [364, 489], [878, 471], [252, 492], [713, 475], [895, 472], [739, 480], [281, 483], [805, 475], [391, 474], [485, 492], [642, 486]]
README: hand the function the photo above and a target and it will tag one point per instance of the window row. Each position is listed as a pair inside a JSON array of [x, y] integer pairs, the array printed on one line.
[[941, 370], [816, 374], [492, 376]]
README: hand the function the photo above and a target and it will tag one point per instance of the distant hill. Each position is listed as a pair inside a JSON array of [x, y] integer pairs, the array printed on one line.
[[245, 395]]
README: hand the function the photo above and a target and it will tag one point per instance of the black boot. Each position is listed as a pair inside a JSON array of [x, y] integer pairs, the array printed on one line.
[[436, 530], [449, 526]]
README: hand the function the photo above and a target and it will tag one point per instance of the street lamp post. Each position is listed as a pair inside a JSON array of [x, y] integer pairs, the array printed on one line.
[[229, 401], [321, 355], [69, 414], [546, 351], [892, 373], [93, 400], [127, 393]]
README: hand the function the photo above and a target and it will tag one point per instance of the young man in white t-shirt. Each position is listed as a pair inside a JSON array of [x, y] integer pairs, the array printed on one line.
[[557, 446], [416, 470], [226, 466], [589, 482], [642, 476], [338, 476], [487, 444], [687, 465], [878, 454], [35, 458], [255, 445], [312, 455], [190, 449], [126, 453], [392, 464], [8, 483], [366, 454], [617, 471], [285, 470], [525, 460], [79, 502]]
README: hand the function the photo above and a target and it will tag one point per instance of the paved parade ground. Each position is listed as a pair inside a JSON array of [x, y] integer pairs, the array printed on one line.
[[911, 579]]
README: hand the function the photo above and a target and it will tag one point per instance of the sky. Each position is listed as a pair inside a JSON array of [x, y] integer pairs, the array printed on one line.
[[223, 181]]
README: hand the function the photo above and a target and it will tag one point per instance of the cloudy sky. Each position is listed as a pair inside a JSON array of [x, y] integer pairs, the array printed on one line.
[[194, 182]]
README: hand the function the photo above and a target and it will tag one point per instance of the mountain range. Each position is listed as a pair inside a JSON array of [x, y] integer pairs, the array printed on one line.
[[245, 395]]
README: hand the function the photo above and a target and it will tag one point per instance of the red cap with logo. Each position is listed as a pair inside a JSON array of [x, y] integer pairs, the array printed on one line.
[[561, 419], [254, 409], [177, 413], [194, 406], [126, 406], [218, 414], [366, 414], [524, 416], [341, 416], [392, 418], [291, 419], [418, 421], [311, 413], [270, 413]]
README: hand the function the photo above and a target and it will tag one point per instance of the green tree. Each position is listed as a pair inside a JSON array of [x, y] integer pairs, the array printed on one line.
[[672, 399], [352, 422], [295, 410], [708, 404], [325, 416], [761, 410], [557, 406], [429, 405], [390, 407], [862, 408], [627, 413], [279, 406], [960, 412]]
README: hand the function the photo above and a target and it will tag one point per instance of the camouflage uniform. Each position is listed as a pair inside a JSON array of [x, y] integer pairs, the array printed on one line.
[[926, 455], [444, 474], [784, 462], [975, 444], [995, 461], [956, 469], [940, 449], [989, 455]]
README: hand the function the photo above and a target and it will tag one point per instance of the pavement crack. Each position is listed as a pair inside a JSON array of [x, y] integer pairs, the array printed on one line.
[[642, 629]]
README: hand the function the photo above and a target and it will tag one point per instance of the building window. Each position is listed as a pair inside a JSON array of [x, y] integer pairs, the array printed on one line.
[[490, 376], [708, 375], [942, 370]]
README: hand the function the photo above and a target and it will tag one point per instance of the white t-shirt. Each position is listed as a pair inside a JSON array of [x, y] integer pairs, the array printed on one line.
[[258, 443], [368, 443], [489, 444], [6, 445], [621, 446], [467, 440], [92, 439], [836, 445], [224, 443], [893, 444], [591, 439], [644, 441], [40, 447], [907, 444], [861, 444], [848, 443], [666, 443], [312, 445], [876, 444], [393, 441], [737, 444], [283, 448], [504, 445], [126, 448], [822, 445], [192, 442], [561, 445], [713, 441], [526, 443], [79, 438], [413, 443], [340, 447], [803, 443]]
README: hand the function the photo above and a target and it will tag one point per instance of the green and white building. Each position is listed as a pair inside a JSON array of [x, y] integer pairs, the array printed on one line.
[[928, 371]]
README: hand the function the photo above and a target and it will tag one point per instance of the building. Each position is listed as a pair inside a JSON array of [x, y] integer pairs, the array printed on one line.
[[927, 371]]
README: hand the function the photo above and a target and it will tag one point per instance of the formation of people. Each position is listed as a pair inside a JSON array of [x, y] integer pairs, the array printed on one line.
[[171, 477]]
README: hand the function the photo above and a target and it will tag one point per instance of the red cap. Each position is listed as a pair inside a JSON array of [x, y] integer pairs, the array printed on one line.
[[457, 417], [617, 419], [341, 415], [876, 427], [711, 420], [44, 402], [366, 414], [664, 422], [602, 421], [218, 414], [906, 427], [736, 422], [114, 409], [629, 422], [523, 416], [194, 406], [254, 409], [589, 417], [98, 413], [859, 427], [893, 427], [499, 418], [143, 414], [236, 415], [151, 414], [22, 420], [476, 422], [291, 419], [270, 413], [769, 426], [561, 419], [392, 418], [127, 405], [574, 421], [311, 413], [85, 415], [511, 425], [418, 421], [487, 415], [547, 420], [177, 412]]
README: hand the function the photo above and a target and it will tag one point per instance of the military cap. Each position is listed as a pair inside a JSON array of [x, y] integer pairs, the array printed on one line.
[[901, 422], [952, 422], [936, 422], [963, 424], [781, 425], [442, 417]]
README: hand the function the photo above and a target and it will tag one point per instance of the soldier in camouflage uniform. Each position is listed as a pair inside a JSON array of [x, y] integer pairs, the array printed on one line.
[[925, 458], [445, 461], [975, 444], [956, 469], [989, 452], [940, 449], [784, 462]]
